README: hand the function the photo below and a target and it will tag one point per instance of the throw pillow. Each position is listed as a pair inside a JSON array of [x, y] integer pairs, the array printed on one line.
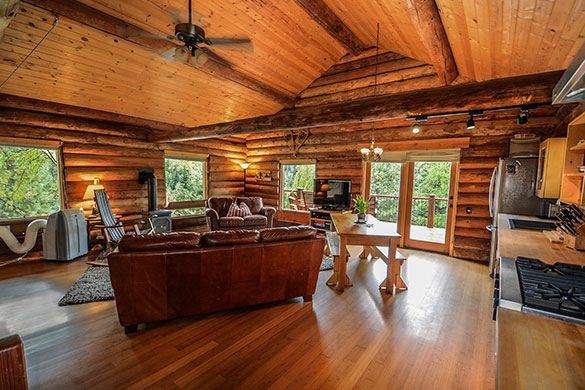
[[234, 210], [245, 210]]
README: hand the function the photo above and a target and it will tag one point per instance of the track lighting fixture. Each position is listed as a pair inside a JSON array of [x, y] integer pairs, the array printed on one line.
[[523, 117], [470, 122]]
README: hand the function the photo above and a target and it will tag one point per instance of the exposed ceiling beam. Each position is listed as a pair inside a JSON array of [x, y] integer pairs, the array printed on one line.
[[425, 17], [476, 96], [23, 103], [322, 14], [99, 20]]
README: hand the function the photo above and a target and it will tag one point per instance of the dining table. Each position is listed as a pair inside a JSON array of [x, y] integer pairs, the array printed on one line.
[[372, 235]]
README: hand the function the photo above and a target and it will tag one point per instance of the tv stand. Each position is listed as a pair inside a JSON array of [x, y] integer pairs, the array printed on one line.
[[321, 218]]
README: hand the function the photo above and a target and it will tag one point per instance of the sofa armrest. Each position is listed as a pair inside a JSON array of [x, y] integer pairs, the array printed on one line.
[[212, 218], [268, 212]]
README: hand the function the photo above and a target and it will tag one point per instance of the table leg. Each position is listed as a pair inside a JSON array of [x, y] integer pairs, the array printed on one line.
[[342, 263], [393, 267]]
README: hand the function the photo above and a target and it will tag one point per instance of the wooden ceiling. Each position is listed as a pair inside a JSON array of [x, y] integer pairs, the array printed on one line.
[[80, 65], [502, 38]]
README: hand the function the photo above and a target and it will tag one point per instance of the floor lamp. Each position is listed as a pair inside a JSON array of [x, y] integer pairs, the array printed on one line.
[[244, 166]]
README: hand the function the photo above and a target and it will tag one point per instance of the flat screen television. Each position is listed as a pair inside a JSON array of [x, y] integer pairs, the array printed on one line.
[[332, 194]]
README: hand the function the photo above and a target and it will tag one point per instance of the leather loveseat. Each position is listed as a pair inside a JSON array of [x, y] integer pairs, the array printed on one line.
[[164, 276], [217, 219]]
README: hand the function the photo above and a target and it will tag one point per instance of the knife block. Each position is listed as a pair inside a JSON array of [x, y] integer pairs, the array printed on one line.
[[576, 242]]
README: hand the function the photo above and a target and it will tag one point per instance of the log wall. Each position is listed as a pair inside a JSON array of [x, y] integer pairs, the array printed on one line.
[[95, 149], [335, 149]]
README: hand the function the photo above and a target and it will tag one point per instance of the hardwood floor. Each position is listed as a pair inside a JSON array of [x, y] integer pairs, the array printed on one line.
[[437, 335]]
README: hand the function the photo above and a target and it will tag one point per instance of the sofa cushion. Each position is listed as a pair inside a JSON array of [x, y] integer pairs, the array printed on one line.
[[255, 220], [254, 204], [221, 205], [230, 237], [231, 221], [159, 242], [288, 233]]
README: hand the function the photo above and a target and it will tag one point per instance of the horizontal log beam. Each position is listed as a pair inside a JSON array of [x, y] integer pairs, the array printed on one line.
[[23, 103], [476, 96], [94, 18], [427, 21], [52, 121], [326, 18]]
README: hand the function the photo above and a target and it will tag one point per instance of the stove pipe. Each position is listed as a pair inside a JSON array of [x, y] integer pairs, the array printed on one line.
[[146, 176]]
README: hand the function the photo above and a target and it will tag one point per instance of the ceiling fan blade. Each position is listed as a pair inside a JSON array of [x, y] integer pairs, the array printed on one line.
[[242, 45], [216, 57]]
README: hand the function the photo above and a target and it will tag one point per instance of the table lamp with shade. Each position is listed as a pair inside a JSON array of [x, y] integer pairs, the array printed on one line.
[[89, 193]]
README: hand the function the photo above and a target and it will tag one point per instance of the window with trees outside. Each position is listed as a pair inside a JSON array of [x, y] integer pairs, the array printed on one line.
[[29, 181], [185, 182], [297, 187]]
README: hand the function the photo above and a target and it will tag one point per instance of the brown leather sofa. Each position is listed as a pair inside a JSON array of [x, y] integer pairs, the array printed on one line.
[[165, 276], [217, 219]]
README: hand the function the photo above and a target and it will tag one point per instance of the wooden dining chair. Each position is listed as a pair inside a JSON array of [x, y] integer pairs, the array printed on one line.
[[112, 228]]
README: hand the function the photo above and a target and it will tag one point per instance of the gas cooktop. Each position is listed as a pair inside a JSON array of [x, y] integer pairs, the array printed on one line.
[[556, 289]]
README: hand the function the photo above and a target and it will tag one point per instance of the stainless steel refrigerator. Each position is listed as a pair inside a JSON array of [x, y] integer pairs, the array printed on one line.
[[512, 191]]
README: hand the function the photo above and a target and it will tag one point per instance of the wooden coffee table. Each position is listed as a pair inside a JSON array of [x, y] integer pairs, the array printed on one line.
[[372, 234]]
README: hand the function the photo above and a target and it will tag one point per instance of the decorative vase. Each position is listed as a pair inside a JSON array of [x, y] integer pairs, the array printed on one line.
[[361, 217]]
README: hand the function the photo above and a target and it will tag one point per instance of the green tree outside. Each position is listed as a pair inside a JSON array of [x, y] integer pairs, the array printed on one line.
[[29, 182], [297, 176], [184, 182], [429, 178]]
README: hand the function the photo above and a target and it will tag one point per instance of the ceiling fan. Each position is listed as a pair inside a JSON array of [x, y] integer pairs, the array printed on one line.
[[193, 37]]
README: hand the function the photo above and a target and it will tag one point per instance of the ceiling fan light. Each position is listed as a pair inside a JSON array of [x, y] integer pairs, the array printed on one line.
[[181, 54], [199, 58], [416, 128]]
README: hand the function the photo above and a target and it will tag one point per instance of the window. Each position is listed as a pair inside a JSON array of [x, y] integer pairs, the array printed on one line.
[[297, 185], [185, 182], [29, 181]]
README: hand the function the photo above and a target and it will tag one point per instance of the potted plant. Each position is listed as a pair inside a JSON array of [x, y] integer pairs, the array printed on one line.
[[361, 205]]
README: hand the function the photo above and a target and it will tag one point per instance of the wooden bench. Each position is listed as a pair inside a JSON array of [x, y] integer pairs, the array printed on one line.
[[382, 252], [333, 244]]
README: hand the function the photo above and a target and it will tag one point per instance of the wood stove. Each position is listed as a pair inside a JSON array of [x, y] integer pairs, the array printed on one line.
[[161, 219]]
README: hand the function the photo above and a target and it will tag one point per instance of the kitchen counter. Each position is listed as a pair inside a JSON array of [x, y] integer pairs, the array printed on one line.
[[535, 352], [512, 243]]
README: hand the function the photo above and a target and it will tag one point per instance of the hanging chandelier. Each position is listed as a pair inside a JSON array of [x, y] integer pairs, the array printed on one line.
[[373, 153]]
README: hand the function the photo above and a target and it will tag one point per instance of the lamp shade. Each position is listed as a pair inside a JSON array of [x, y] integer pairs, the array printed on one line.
[[89, 191], [244, 165]]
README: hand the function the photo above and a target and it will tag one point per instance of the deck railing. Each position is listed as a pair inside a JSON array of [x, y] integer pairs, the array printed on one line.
[[386, 207]]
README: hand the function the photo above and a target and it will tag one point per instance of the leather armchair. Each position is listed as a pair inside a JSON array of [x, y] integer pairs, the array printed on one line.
[[217, 219]]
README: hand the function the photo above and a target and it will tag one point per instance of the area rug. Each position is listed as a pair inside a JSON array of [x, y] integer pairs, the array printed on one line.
[[327, 263], [94, 285]]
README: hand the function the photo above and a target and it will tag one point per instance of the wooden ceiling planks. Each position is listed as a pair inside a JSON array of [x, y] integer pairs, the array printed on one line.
[[397, 31], [498, 38], [290, 48], [86, 67]]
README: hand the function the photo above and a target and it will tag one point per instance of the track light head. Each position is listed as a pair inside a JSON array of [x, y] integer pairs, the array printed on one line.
[[523, 117], [470, 122]]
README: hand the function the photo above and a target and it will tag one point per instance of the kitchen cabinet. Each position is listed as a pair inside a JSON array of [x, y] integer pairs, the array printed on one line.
[[551, 158], [572, 179]]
